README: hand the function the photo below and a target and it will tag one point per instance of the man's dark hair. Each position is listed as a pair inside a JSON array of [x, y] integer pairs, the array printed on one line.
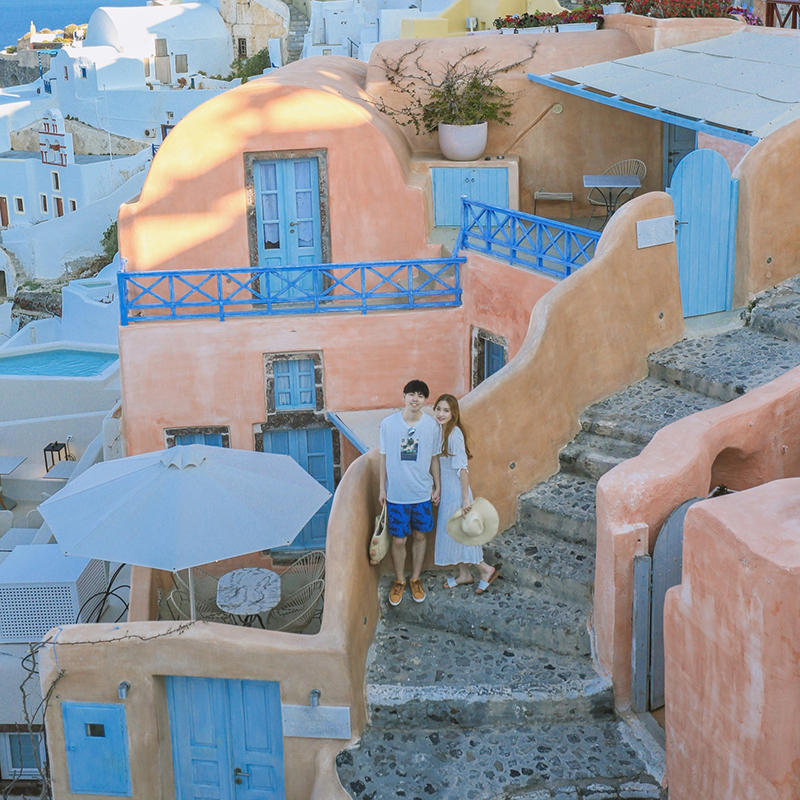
[[417, 387]]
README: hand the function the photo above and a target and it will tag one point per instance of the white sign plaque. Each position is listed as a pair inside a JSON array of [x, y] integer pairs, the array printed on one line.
[[650, 232], [316, 722]]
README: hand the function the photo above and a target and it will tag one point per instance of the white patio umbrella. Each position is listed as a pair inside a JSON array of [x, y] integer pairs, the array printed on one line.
[[178, 508]]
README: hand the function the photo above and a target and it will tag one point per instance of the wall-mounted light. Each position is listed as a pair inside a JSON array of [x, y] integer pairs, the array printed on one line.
[[558, 108], [313, 697], [123, 689]]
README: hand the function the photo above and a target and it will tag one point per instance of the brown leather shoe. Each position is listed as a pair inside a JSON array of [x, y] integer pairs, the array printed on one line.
[[417, 592], [396, 592]]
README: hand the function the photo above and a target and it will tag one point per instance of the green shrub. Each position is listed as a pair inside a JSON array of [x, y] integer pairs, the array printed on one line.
[[110, 241], [250, 67], [11, 49]]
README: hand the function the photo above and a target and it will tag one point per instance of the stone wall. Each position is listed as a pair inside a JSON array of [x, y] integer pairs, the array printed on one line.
[[85, 139], [258, 22], [12, 73]]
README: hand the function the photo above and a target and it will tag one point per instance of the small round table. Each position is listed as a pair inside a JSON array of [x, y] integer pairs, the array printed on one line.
[[249, 592]]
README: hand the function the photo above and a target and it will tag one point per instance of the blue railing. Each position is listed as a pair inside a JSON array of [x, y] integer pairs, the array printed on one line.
[[260, 291], [555, 248]]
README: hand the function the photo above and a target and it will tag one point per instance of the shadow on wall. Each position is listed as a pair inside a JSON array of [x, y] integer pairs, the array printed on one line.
[[745, 443]]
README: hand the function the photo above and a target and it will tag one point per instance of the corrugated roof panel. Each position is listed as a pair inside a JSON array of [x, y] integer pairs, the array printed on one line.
[[746, 81]]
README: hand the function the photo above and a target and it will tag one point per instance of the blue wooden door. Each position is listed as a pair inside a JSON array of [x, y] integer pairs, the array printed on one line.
[[227, 739], [486, 185], [288, 221], [706, 201], [494, 358], [312, 449]]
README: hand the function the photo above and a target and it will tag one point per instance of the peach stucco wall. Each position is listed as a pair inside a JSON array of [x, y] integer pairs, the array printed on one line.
[[732, 643], [742, 444], [192, 212], [177, 374], [768, 232], [555, 150], [93, 659], [587, 338], [651, 33]]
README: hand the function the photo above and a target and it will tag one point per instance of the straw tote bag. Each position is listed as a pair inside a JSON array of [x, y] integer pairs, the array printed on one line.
[[379, 544]]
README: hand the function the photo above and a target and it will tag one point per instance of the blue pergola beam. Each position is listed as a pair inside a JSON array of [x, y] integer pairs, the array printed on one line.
[[615, 101]]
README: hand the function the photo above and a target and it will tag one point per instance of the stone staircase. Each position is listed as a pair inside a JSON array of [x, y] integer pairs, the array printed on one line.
[[298, 27], [496, 697]]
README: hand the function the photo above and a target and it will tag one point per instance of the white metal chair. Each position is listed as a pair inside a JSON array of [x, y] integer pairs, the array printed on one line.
[[294, 614], [6, 521], [205, 595], [34, 518], [306, 569], [630, 166]]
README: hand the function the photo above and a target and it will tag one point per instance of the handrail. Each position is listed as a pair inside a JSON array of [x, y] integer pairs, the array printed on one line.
[[790, 16], [267, 291], [545, 245]]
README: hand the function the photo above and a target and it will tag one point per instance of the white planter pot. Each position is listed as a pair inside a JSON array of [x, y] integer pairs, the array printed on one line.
[[540, 29], [462, 142], [508, 31], [614, 8], [577, 27]]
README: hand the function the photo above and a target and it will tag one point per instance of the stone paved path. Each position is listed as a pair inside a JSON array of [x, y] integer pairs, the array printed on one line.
[[496, 697]]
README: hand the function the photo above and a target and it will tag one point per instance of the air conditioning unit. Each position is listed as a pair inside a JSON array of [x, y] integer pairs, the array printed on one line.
[[148, 133], [41, 588], [472, 23]]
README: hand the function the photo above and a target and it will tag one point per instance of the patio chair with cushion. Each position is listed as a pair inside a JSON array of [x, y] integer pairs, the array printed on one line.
[[294, 614], [306, 569], [630, 166]]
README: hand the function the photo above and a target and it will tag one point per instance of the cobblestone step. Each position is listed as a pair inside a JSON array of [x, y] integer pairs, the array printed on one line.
[[562, 761], [635, 414], [591, 456], [507, 614], [777, 311], [422, 677], [540, 561], [727, 365], [563, 506]]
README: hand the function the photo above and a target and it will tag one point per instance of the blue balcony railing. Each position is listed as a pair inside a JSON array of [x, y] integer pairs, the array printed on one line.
[[260, 291], [555, 248]]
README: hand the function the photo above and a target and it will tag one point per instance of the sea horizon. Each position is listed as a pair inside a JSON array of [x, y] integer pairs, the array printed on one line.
[[16, 16]]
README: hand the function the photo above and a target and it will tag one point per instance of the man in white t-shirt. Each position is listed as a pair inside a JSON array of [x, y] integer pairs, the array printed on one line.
[[410, 442]]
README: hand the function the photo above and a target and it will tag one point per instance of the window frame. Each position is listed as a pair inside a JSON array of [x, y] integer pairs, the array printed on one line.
[[479, 339], [43, 207], [55, 179], [7, 771], [295, 390], [171, 434], [19, 205], [241, 46], [73, 204]]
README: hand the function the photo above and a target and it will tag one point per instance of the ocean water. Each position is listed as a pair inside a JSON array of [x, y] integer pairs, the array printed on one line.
[[16, 15]]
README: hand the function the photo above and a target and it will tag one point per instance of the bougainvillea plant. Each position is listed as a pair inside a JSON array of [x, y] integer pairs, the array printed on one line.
[[666, 9], [543, 19]]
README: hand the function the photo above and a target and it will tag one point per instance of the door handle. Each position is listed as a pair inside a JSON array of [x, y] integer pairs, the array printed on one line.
[[239, 774], [678, 222]]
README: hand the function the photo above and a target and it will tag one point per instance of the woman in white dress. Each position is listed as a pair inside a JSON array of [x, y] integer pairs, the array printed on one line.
[[456, 495]]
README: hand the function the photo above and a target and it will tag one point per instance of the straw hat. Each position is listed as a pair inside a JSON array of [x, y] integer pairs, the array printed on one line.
[[478, 527]]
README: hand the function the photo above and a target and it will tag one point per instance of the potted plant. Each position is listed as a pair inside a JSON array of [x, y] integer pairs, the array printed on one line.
[[458, 101]]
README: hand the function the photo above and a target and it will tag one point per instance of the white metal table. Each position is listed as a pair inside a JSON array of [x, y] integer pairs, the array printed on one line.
[[61, 469], [249, 592], [611, 188], [7, 465]]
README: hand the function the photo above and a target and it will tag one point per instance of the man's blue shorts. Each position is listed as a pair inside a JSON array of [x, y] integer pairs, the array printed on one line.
[[405, 517]]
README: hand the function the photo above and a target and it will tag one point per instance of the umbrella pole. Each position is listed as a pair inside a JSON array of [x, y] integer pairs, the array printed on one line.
[[191, 594]]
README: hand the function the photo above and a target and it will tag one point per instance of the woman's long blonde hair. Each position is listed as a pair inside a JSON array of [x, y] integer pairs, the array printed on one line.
[[452, 423]]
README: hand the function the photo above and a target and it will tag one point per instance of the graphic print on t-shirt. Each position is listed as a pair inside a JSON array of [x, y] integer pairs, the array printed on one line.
[[409, 446]]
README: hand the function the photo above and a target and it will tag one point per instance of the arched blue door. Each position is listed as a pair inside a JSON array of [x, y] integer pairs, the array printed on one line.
[[706, 201]]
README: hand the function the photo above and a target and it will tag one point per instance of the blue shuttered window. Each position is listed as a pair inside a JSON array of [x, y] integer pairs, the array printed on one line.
[[494, 358], [213, 439], [294, 384]]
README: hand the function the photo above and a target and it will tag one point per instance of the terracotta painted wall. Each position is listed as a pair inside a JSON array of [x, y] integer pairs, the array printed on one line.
[[587, 338], [768, 236], [95, 658], [555, 150], [192, 212], [657, 34], [742, 444], [732, 639], [177, 374]]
